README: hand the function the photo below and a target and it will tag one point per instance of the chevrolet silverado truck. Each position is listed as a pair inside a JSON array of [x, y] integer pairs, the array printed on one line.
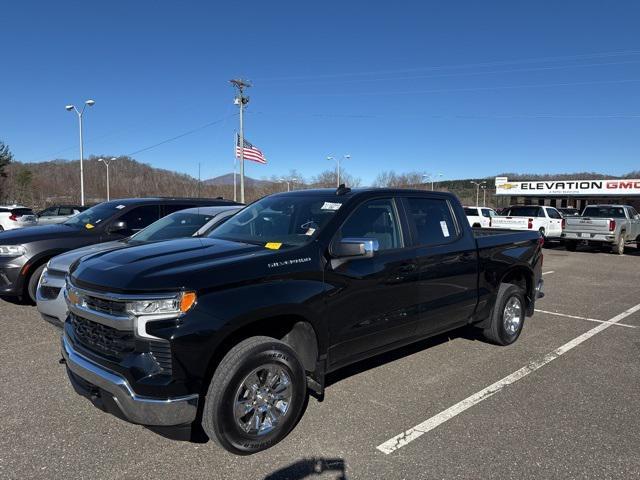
[[227, 334], [545, 220], [614, 225]]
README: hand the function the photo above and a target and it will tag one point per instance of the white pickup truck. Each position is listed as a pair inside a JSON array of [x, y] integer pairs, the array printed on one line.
[[546, 220], [480, 217], [616, 225]]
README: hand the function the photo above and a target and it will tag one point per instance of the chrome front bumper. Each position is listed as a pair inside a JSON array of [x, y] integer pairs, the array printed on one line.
[[137, 409]]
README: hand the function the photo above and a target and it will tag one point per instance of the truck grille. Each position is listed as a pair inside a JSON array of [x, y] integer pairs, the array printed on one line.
[[109, 307], [116, 344], [101, 338]]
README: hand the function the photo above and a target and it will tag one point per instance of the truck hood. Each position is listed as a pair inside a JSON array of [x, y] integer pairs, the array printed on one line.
[[162, 266], [63, 262], [21, 236]]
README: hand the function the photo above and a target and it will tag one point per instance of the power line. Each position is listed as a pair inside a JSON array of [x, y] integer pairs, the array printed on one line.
[[472, 89], [202, 127], [486, 72], [459, 66]]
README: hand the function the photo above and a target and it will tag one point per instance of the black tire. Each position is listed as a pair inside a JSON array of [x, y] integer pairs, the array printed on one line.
[[618, 248], [1, 228], [32, 283], [571, 245], [218, 416], [476, 225], [496, 332]]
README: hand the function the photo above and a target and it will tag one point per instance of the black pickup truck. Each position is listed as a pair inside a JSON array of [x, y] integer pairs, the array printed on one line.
[[227, 334]]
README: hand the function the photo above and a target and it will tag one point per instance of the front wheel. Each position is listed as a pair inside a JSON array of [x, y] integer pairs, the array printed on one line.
[[32, 284], [508, 315], [255, 397]]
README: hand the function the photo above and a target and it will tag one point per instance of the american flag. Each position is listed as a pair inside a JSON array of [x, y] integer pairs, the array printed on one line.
[[250, 152]]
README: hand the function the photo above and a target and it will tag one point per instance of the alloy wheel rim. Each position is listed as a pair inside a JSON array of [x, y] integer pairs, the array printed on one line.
[[262, 400], [512, 315]]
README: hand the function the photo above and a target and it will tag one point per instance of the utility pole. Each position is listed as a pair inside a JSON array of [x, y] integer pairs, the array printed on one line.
[[477, 184], [87, 103], [106, 164], [484, 195], [241, 101]]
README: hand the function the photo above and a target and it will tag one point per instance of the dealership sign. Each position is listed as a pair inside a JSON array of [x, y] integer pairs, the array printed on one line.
[[568, 187]]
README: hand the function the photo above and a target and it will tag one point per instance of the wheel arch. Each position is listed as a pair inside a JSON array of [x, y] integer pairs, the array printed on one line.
[[295, 330], [523, 277]]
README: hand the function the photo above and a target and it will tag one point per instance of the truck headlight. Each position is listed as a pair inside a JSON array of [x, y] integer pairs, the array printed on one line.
[[177, 305], [11, 250]]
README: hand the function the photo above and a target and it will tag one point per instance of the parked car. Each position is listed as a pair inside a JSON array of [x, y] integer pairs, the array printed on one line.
[[58, 214], [569, 212], [479, 217], [615, 225], [183, 223], [24, 252], [230, 331], [16, 216], [546, 220]]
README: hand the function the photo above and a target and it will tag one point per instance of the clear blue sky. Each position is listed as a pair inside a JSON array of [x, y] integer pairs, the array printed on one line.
[[464, 88]]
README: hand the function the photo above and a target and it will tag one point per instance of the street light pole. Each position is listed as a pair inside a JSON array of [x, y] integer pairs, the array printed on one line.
[[477, 184], [106, 163], [337, 159], [484, 195], [80, 113]]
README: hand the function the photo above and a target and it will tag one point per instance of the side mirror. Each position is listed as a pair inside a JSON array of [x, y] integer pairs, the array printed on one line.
[[355, 248], [119, 227]]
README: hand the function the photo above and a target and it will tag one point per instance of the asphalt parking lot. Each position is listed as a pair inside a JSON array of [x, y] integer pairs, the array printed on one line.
[[562, 402]]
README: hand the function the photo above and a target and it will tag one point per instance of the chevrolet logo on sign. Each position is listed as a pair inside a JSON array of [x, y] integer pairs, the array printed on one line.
[[507, 186]]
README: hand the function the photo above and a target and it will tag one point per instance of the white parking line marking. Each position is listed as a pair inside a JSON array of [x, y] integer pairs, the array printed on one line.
[[586, 318], [547, 273], [412, 434]]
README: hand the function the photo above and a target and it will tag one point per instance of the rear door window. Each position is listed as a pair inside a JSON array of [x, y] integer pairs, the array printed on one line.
[[65, 211], [432, 220]]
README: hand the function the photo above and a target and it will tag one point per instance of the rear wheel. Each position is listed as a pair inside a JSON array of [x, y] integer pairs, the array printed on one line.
[[508, 315], [32, 284], [619, 246], [255, 397]]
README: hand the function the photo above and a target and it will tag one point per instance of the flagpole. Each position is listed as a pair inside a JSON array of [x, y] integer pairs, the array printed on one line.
[[235, 167]]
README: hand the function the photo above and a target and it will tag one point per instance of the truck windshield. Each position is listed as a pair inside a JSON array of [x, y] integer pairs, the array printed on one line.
[[176, 225], [604, 212], [523, 211], [287, 220], [94, 215]]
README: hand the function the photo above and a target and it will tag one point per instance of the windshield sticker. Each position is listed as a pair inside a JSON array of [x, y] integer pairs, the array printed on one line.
[[88, 226], [273, 245], [330, 206], [293, 261], [445, 229], [120, 207]]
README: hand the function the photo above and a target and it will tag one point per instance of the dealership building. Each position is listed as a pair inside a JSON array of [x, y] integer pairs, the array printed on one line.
[[568, 193]]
